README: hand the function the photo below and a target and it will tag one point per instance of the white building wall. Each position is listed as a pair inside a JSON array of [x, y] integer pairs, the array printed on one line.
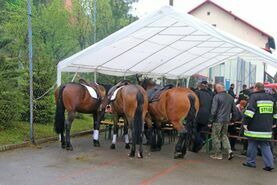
[[228, 23]]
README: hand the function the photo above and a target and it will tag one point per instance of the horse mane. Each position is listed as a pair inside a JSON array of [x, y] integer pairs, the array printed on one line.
[[119, 84], [146, 81]]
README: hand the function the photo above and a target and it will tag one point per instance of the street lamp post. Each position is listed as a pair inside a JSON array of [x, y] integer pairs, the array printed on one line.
[[94, 21], [94, 30], [32, 140]]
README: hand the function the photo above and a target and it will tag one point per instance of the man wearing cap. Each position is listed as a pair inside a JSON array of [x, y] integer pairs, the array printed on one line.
[[258, 122], [231, 90], [243, 94], [202, 119]]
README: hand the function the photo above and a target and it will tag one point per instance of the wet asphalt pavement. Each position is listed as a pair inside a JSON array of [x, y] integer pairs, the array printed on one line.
[[87, 165]]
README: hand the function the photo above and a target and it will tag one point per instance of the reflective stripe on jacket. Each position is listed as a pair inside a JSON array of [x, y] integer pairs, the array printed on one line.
[[259, 115]]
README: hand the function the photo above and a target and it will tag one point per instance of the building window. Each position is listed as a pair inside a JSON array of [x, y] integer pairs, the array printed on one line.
[[208, 13]]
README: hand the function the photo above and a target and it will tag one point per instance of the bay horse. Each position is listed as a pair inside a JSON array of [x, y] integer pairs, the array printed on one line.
[[131, 103], [74, 97], [173, 106]]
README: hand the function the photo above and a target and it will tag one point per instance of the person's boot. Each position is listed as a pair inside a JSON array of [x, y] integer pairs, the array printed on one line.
[[230, 155], [268, 169], [248, 165]]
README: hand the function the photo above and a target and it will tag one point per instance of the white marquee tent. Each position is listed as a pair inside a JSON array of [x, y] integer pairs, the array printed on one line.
[[166, 43]]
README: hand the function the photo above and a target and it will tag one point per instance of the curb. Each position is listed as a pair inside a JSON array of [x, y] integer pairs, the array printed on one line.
[[41, 141]]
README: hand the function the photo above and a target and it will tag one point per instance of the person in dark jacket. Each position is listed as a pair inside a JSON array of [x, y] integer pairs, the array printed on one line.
[[244, 94], [210, 89], [222, 107], [259, 119], [231, 90], [202, 119]]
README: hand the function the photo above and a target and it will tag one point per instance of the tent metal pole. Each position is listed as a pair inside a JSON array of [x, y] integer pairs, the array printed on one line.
[[59, 77], [74, 76], [265, 72], [177, 81], [187, 84]]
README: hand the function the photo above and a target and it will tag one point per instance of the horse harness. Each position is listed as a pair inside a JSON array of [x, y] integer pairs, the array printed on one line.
[[154, 93], [116, 88], [94, 86]]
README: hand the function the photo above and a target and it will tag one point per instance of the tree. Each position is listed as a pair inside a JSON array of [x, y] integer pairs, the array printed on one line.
[[120, 13], [57, 33], [9, 92]]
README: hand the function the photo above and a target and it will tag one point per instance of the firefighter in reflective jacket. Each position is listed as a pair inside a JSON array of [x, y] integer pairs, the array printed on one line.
[[258, 121]]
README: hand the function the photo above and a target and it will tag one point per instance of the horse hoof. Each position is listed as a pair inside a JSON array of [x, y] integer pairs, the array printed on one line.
[[154, 149], [63, 145], [70, 148], [127, 146], [140, 156], [132, 154], [178, 155], [96, 143], [112, 146]]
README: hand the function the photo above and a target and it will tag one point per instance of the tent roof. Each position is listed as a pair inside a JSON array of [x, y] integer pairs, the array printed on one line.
[[165, 43]]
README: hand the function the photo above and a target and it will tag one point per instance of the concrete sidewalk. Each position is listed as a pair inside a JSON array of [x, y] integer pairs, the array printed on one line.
[[51, 165]]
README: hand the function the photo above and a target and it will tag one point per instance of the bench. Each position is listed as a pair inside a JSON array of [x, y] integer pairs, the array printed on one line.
[[108, 124], [208, 140], [170, 132]]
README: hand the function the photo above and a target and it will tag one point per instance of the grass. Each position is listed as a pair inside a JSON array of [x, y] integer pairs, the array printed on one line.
[[19, 133]]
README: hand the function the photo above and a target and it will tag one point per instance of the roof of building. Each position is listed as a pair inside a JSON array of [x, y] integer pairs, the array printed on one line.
[[230, 13]]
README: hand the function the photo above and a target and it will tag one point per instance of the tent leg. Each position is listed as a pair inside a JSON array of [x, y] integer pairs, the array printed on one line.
[[265, 72], [74, 76], [59, 77], [188, 79], [177, 82]]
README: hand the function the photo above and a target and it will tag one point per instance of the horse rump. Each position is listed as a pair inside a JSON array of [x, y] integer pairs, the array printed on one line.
[[59, 115]]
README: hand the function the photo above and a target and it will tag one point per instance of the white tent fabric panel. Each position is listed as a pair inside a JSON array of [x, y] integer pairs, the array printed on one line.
[[166, 43]]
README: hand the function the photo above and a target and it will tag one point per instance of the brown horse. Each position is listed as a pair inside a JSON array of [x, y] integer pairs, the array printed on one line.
[[74, 97], [173, 106], [131, 103]]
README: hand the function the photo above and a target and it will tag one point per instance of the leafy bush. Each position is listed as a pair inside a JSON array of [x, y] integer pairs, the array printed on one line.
[[9, 93]]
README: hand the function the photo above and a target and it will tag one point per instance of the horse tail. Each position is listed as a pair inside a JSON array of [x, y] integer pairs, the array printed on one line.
[[192, 109], [191, 127], [59, 115], [138, 121]]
